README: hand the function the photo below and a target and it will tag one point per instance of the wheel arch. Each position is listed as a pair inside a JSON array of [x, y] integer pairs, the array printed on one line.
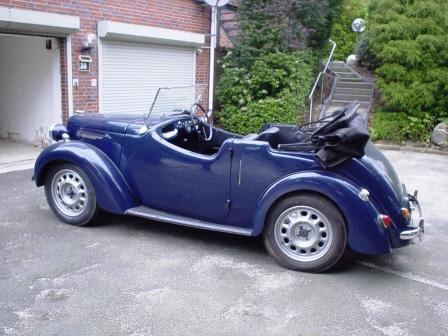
[[40, 179], [364, 233], [299, 192], [115, 196]]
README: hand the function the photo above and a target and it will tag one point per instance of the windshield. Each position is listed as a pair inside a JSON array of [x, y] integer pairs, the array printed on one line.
[[174, 100]]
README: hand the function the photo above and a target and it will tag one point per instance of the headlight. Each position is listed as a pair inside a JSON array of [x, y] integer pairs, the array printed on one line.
[[56, 132]]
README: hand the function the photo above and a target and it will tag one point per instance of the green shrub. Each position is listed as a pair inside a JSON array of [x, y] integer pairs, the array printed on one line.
[[274, 89], [419, 128], [408, 46], [267, 75], [397, 127], [390, 126], [342, 32]]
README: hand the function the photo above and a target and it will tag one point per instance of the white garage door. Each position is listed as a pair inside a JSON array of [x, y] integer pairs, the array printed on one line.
[[132, 73]]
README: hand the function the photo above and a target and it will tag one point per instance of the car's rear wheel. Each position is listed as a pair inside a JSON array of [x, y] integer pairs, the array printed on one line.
[[306, 233], [70, 194]]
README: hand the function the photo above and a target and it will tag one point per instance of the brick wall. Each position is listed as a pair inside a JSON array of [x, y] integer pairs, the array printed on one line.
[[187, 15]]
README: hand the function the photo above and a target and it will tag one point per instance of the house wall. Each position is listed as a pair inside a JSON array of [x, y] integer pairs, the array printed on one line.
[[30, 87], [186, 15]]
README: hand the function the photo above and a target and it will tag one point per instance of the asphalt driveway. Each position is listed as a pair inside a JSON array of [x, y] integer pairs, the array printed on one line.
[[128, 276]]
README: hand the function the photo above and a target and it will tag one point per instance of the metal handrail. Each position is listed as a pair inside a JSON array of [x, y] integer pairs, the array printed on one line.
[[321, 74]]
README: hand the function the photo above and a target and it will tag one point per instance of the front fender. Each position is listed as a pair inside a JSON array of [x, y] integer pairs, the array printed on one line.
[[112, 192], [365, 235]]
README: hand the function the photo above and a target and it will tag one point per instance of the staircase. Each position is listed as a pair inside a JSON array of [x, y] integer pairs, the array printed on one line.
[[348, 87]]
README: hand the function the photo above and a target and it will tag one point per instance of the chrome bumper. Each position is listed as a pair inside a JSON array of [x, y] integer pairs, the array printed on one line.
[[417, 223]]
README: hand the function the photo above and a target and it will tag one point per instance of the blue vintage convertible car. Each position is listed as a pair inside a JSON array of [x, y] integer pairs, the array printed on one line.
[[311, 192]]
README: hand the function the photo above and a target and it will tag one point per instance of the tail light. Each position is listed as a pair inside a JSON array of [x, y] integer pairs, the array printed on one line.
[[406, 213], [385, 220]]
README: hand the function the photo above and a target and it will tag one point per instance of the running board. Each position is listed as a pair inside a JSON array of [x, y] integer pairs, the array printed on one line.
[[149, 213]]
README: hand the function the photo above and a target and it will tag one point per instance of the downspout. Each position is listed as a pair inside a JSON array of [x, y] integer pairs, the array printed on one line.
[[213, 30]]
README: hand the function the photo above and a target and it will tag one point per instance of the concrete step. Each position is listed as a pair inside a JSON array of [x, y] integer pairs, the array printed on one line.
[[351, 80], [335, 102], [352, 97], [364, 92], [358, 84], [336, 106], [345, 75], [331, 109], [364, 114], [341, 69]]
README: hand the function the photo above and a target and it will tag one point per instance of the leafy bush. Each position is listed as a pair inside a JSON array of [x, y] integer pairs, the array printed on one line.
[[389, 126], [342, 32], [267, 75], [419, 128], [408, 46], [397, 126], [273, 89]]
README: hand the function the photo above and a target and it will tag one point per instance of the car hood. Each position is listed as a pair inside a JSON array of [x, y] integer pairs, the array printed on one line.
[[102, 122]]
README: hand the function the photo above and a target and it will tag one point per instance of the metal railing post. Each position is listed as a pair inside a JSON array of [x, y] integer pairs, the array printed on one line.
[[322, 73]]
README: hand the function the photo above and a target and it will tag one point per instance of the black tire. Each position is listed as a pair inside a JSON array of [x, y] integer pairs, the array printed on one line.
[[287, 253], [89, 209]]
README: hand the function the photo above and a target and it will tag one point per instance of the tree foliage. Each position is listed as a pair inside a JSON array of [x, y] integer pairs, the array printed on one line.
[[269, 26], [269, 71], [407, 44], [342, 32]]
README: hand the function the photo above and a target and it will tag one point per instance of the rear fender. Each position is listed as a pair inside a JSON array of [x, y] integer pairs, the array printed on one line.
[[112, 192], [365, 235]]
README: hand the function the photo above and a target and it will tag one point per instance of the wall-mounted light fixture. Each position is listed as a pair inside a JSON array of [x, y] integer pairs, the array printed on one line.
[[88, 41]]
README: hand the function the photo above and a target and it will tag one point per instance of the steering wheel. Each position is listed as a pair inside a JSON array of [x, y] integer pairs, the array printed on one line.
[[203, 125]]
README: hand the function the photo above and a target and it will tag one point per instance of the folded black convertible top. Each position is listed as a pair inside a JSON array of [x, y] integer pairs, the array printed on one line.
[[337, 138]]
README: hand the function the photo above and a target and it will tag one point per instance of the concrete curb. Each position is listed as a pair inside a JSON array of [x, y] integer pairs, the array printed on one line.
[[411, 149]]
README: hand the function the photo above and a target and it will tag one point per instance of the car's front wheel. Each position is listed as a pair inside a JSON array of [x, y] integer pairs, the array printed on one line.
[[70, 194], [306, 233]]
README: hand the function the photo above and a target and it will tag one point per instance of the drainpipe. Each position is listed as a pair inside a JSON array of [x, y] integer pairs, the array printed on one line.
[[213, 30]]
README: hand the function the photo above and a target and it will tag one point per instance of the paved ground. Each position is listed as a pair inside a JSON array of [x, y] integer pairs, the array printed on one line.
[[16, 156], [133, 277]]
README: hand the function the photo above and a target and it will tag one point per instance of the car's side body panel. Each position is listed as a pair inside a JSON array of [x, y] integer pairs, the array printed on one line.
[[255, 166], [112, 191], [173, 179], [365, 235], [104, 133], [261, 176]]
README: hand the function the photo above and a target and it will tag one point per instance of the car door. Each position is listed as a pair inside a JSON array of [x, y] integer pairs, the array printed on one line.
[[175, 180]]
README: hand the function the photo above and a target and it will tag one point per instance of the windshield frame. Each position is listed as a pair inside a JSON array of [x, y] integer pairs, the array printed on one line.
[[197, 99]]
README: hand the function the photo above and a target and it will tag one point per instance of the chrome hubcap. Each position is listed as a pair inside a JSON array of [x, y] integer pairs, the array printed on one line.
[[303, 233], [69, 192]]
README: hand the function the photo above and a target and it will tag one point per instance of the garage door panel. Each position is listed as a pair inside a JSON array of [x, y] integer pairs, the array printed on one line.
[[132, 73]]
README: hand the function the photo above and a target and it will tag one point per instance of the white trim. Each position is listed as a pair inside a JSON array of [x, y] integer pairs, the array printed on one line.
[[138, 33], [194, 66], [38, 22], [100, 75], [211, 80], [69, 64]]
